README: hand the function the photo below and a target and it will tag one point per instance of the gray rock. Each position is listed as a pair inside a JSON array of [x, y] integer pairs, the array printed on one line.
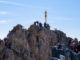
[[32, 44]]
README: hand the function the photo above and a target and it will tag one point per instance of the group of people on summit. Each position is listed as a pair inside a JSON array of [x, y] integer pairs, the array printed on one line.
[[40, 25], [75, 46], [7, 43]]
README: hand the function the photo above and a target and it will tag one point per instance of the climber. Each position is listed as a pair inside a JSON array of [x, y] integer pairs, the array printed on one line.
[[40, 26], [36, 23], [9, 45], [73, 46], [6, 41], [69, 42], [78, 47], [59, 45], [46, 26]]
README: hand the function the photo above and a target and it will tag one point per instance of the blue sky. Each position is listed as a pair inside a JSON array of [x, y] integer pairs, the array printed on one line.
[[62, 14]]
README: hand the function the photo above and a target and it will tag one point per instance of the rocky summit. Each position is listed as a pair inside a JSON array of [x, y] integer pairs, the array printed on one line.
[[33, 43]]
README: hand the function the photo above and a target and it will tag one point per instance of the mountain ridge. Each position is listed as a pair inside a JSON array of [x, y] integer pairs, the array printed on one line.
[[32, 44]]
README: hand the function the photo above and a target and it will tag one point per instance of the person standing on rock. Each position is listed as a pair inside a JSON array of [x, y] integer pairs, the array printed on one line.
[[36, 23], [73, 45], [40, 26], [78, 47], [59, 45], [6, 41], [46, 26], [9, 45]]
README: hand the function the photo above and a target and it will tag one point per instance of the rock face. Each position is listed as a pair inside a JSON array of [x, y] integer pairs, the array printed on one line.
[[31, 44], [61, 37]]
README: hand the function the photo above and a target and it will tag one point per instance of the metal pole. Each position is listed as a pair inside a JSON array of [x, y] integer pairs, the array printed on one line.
[[45, 16]]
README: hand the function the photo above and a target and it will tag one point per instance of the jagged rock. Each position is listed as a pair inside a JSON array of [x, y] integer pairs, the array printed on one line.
[[61, 37], [32, 44], [2, 50]]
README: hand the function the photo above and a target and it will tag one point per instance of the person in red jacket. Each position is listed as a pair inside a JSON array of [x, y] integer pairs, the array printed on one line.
[[78, 47], [73, 45], [6, 43]]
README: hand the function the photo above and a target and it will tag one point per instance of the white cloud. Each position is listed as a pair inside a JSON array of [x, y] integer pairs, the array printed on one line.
[[19, 4], [12, 3], [3, 13], [3, 21]]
